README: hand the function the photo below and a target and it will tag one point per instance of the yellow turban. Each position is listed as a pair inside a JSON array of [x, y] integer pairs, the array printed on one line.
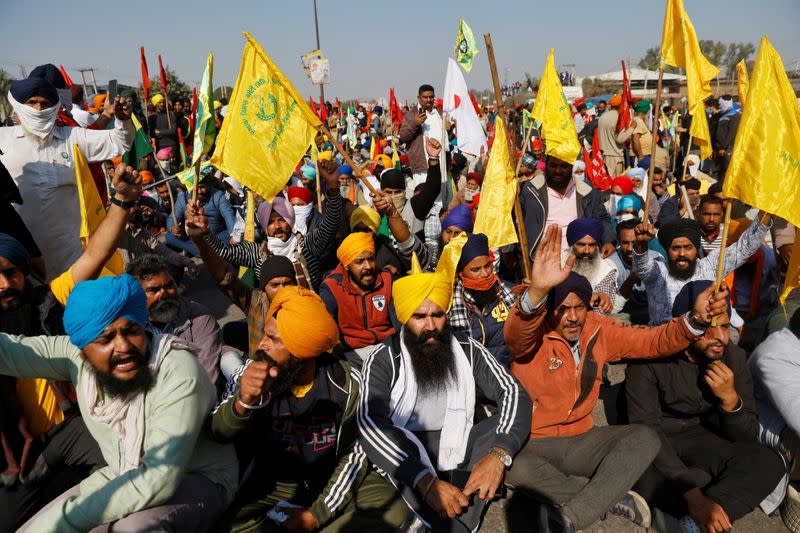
[[384, 160], [409, 292], [354, 245], [157, 98], [305, 326], [365, 215], [217, 105], [327, 155]]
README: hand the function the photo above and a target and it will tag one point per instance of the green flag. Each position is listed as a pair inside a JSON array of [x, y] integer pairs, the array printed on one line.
[[140, 148], [466, 48], [205, 128]]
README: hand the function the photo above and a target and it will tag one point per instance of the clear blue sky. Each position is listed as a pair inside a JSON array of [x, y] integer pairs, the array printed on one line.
[[372, 45]]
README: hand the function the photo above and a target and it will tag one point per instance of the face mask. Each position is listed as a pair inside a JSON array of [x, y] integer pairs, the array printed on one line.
[[613, 200], [399, 202], [470, 193], [625, 216], [693, 170], [301, 213], [39, 123]]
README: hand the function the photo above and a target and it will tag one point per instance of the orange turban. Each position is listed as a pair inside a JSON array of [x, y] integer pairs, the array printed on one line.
[[409, 292], [98, 101], [615, 100], [305, 326], [147, 177], [354, 245]]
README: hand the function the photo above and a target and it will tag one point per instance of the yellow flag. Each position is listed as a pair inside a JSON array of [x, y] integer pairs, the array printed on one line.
[[679, 48], [268, 126], [793, 271], [742, 80], [92, 210], [498, 193], [764, 171], [449, 258], [553, 111]]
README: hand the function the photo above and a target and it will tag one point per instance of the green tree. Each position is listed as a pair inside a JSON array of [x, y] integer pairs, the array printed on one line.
[[714, 51], [5, 85], [176, 88], [651, 60], [735, 53]]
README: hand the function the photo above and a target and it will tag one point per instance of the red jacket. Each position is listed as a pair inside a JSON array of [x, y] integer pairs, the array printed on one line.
[[364, 318], [564, 396]]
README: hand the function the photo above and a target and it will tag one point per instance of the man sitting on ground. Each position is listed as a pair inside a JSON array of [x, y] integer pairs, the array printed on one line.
[[418, 404], [144, 399], [584, 237], [558, 348]]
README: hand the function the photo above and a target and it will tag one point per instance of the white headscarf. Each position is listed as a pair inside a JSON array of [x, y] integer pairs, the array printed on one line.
[[39, 123]]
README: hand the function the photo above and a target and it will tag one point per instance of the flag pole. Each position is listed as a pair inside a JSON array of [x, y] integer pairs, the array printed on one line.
[[722, 246], [349, 160], [654, 145], [165, 179], [676, 141], [501, 112]]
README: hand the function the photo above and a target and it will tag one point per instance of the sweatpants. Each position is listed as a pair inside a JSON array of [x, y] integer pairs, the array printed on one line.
[[586, 474], [741, 474], [481, 439], [71, 454], [196, 506], [376, 507]]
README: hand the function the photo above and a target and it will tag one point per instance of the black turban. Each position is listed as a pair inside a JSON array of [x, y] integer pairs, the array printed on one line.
[[574, 283], [276, 266], [391, 178], [683, 227], [23, 90]]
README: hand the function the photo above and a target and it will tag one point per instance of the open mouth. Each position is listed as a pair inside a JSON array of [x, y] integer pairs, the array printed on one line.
[[127, 364]]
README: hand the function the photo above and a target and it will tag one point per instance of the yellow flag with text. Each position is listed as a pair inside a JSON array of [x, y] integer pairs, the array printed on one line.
[[553, 111], [92, 210], [498, 193], [680, 48], [268, 126], [764, 170], [742, 81]]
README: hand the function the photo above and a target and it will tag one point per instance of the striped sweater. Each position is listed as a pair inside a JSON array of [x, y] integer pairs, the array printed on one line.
[[315, 245]]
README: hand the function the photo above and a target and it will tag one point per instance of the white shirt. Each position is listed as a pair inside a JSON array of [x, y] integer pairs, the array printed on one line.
[[81, 116], [45, 175]]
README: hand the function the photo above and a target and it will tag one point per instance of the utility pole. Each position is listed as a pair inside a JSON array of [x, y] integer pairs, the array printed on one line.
[[23, 72], [83, 77], [316, 27]]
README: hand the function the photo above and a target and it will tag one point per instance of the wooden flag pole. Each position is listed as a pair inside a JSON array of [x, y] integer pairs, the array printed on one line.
[[165, 179], [166, 106], [721, 265], [501, 112], [676, 142], [196, 180], [349, 160], [654, 133]]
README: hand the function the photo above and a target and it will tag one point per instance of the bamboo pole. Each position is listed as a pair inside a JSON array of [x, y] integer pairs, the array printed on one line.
[[349, 161], [501, 112], [654, 133], [721, 265]]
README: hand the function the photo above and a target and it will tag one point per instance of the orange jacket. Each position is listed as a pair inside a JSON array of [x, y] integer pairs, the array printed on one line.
[[563, 396]]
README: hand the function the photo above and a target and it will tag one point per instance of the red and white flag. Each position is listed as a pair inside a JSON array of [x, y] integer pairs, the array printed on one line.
[[457, 103]]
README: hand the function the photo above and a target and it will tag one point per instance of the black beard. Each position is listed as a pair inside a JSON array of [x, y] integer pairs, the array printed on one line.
[[288, 372], [682, 274], [434, 364], [14, 305], [114, 387], [363, 285]]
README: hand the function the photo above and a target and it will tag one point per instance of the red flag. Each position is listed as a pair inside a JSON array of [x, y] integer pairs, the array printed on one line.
[[145, 78], [338, 104], [193, 114], [595, 167], [313, 106], [323, 110], [67, 79], [474, 102], [624, 119], [163, 76], [395, 113]]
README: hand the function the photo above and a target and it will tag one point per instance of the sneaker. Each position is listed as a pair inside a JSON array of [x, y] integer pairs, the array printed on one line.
[[557, 521], [689, 525], [634, 508]]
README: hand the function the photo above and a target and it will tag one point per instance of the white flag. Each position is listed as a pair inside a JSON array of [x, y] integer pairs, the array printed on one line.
[[457, 104]]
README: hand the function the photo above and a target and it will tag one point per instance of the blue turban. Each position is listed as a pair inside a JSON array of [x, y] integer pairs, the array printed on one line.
[[95, 304], [51, 73], [477, 245], [574, 283], [581, 227], [346, 170], [12, 250], [684, 300], [308, 172], [638, 173], [22, 90], [460, 216], [630, 201]]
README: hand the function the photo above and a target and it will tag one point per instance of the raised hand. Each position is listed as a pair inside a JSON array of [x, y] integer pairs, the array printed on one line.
[[644, 233], [126, 183], [420, 118], [711, 302], [329, 171], [383, 203], [254, 384], [546, 271], [433, 147], [196, 220]]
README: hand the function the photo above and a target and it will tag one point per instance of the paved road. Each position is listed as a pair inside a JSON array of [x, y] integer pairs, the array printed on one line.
[[505, 516]]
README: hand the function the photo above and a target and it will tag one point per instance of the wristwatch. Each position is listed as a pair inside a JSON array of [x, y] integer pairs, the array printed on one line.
[[503, 456], [697, 322], [123, 204]]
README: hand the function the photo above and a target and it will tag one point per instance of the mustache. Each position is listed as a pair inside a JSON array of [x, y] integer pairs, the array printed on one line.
[[10, 292], [119, 358]]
